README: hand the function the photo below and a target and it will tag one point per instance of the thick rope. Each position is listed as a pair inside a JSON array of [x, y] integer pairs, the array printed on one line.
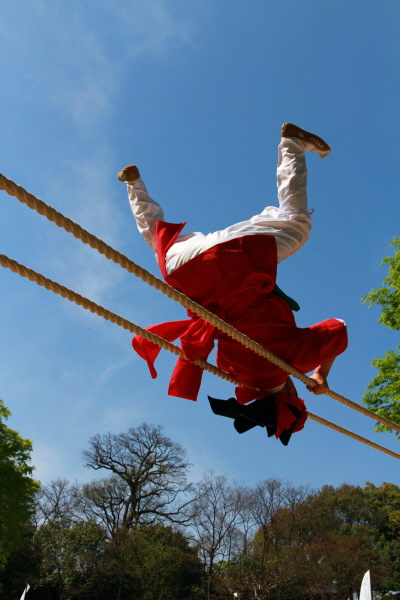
[[59, 219], [72, 296], [354, 436], [114, 318]]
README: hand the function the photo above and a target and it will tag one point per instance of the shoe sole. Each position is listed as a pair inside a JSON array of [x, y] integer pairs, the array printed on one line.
[[319, 145]]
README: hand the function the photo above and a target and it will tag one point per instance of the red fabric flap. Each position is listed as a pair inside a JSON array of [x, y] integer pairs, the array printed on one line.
[[166, 235], [284, 416], [186, 380], [169, 331], [197, 341], [245, 395]]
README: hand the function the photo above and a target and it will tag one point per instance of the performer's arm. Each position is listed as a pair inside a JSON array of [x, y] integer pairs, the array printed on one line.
[[320, 376], [145, 210]]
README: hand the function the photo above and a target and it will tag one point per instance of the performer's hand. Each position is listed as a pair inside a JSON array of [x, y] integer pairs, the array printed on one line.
[[322, 384], [320, 376]]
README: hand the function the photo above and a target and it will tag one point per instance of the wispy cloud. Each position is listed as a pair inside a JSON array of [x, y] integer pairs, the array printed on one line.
[[54, 54], [48, 462], [65, 65], [155, 28], [121, 417], [85, 195], [75, 56], [70, 61]]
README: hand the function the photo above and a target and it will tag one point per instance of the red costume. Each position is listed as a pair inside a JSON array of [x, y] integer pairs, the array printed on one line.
[[232, 274], [235, 281]]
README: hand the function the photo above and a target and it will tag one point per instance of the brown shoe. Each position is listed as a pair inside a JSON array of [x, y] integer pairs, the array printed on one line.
[[310, 140], [129, 174]]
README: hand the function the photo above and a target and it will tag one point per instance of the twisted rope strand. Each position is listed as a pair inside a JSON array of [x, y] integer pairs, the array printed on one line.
[[72, 296], [59, 219], [77, 231], [133, 328], [351, 434]]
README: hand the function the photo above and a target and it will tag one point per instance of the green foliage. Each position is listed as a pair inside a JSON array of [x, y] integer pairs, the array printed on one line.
[[23, 566], [385, 523], [384, 502], [69, 556], [62, 561], [151, 563], [17, 488], [170, 568], [383, 393], [344, 532], [390, 557], [345, 508], [271, 542], [388, 296]]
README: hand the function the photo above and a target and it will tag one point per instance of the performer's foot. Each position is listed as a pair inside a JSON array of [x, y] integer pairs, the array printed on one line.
[[310, 140], [129, 174]]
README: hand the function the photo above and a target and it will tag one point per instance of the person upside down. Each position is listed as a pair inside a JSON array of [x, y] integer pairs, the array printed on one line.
[[232, 273]]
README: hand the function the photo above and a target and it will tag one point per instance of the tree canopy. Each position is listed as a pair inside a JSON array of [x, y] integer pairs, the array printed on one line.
[[388, 296], [273, 541], [383, 393], [151, 471], [17, 488]]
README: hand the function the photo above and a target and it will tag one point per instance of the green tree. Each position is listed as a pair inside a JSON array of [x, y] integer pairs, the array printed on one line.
[[388, 296], [354, 529], [385, 510], [383, 393], [69, 558], [17, 488], [170, 568], [150, 562]]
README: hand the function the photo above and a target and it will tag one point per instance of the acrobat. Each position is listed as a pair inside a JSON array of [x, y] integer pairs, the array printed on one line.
[[232, 273]]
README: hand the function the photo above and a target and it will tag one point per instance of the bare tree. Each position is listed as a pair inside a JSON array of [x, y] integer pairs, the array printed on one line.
[[299, 515], [57, 502], [215, 520], [282, 514], [104, 501], [153, 469], [274, 518]]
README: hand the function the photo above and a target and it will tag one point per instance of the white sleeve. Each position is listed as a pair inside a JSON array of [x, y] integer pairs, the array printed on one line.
[[145, 210]]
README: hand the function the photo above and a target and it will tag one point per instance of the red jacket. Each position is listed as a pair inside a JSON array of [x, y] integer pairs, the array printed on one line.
[[235, 280]]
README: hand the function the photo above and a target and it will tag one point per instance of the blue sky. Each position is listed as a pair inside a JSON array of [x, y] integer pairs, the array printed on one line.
[[194, 93]]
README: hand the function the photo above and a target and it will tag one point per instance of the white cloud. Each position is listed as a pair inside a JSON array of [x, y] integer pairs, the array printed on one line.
[[70, 60], [48, 462], [156, 29], [75, 56], [115, 366], [85, 195], [120, 418]]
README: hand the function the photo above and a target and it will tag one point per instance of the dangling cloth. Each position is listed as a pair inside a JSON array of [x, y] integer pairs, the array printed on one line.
[[280, 414], [197, 340]]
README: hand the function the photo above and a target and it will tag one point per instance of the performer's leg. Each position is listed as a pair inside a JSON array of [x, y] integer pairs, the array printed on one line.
[[290, 224], [295, 218], [292, 176]]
